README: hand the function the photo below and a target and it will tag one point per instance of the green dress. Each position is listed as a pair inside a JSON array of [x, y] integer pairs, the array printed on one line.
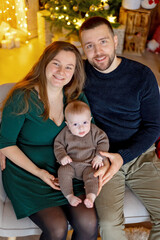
[[35, 137]]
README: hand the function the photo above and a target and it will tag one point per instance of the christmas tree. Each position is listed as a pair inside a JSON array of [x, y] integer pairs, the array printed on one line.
[[70, 14]]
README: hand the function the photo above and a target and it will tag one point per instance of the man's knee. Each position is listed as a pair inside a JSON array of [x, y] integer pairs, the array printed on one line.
[[109, 219], [112, 230]]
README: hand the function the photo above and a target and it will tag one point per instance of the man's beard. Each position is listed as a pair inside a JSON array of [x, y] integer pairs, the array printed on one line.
[[103, 67]]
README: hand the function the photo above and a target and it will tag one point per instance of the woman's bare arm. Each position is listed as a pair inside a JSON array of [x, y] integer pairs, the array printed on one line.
[[2, 161], [20, 159]]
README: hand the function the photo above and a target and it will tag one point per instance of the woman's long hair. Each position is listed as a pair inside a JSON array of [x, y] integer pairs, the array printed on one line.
[[37, 77]]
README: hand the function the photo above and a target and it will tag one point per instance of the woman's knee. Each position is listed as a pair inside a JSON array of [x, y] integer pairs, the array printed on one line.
[[92, 229], [91, 223], [57, 232], [53, 223]]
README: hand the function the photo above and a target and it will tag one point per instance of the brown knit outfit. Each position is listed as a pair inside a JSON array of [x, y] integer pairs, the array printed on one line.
[[82, 150]]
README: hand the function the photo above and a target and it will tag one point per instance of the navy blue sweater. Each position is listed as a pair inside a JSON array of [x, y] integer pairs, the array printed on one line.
[[125, 103]]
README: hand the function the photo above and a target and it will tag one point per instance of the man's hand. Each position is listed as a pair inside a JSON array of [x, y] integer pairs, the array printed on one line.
[[97, 162], [106, 172], [2, 161], [66, 160], [48, 179]]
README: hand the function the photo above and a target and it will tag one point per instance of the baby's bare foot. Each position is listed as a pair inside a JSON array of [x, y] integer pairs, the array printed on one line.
[[73, 200], [89, 201]]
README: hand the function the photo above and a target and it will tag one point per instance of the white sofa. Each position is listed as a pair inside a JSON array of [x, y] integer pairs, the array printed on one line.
[[134, 211]]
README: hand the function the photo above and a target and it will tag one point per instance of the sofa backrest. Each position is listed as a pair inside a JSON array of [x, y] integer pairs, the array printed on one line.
[[4, 89]]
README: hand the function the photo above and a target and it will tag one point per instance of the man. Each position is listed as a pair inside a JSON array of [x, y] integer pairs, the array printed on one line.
[[125, 102]]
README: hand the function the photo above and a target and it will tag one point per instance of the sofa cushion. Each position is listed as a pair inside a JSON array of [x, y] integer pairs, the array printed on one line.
[[134, 210]]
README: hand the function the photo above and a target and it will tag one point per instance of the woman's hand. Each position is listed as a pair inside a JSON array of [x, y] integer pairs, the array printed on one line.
[[2, 161], [106, 172], [49, 179]]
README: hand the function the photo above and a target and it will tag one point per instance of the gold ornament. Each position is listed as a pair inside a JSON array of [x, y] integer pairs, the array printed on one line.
[[47, 6], [75, 8], [52, 16], [51, 9], [92, 8]]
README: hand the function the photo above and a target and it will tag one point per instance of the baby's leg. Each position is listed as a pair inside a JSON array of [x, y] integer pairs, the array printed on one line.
[[65, 175], [91, 186]]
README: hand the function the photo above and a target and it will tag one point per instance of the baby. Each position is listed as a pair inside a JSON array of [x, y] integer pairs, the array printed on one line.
[[77, 149]]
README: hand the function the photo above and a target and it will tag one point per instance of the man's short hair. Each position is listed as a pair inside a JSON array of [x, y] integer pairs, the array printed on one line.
[[93, 22]]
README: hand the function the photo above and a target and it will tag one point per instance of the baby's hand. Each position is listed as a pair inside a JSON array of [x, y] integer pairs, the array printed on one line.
[[66, 160], [97, 162]]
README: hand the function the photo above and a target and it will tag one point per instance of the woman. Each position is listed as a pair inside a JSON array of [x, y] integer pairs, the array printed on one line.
[[33, 114]]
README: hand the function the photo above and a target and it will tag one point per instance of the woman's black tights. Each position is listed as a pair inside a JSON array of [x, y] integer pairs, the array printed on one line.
[[53, 222]]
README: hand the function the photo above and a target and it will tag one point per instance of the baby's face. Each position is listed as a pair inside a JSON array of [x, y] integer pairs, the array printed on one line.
[[79, 124]]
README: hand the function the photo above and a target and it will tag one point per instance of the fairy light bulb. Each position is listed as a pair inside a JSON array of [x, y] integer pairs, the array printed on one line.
[[14, 12], [86, 15], [64, 8]]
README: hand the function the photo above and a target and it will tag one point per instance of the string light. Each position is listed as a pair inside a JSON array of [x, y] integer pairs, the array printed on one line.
[[14, 12], [64, 8], [87, 15]]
